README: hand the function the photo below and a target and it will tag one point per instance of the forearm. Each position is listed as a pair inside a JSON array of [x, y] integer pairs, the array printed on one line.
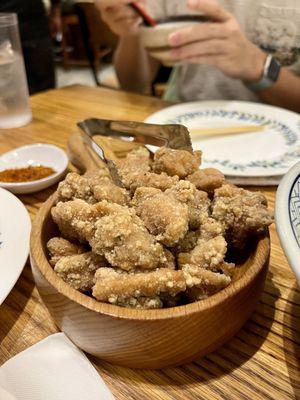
[[285, 93], [135, 69]]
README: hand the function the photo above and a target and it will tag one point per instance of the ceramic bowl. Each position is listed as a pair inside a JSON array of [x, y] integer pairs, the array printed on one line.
[[155, 39], [32, 155], [147, 338], [287, 216]]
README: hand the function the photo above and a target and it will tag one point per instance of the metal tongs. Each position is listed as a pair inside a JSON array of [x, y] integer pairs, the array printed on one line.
[[171, 136]]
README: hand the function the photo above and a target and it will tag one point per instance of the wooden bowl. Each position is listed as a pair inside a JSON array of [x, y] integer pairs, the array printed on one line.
[[144, 338]]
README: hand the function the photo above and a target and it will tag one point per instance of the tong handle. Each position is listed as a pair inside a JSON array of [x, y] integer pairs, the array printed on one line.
[[80, 156], [143, 133], [170, 135]]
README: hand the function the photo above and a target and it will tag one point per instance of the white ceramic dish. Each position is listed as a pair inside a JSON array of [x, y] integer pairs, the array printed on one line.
[[15, 229], [31, 155], [270, 153], [287, 216]]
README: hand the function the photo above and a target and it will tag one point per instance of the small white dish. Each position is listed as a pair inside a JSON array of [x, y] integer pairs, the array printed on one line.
[[33, 155], [15, 227], [287, 217]]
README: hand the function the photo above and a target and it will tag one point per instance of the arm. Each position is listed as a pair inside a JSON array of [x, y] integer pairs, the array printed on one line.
[[223, 44], [135, 69], [285, 93]]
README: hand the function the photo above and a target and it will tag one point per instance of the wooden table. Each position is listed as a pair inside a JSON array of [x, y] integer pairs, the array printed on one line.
[[261, 362]]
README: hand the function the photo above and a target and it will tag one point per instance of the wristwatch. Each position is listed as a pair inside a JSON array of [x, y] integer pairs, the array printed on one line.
[[270, 75]]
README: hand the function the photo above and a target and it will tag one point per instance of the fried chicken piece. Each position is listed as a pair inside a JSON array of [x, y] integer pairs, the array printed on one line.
[[149, 179], [79, 270], [188, 243], [207, 179], [136, 163], [113, 231], [93, 187], [75, 186], [207, 254], [59, 247], [163, 215], [123, 239], [117, 288], [202, 283], [169, 261], [142, 303], [198, 209], [242, 213], [176, 162], [196, 200], [182, 191], [210, 228], [95, 176], [226, 268], [76, 219], [107, 190]]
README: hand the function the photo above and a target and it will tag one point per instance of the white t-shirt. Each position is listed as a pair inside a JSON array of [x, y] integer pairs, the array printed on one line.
[[274, 25]]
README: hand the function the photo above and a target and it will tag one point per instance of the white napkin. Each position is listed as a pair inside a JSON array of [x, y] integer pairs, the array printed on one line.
[[53, 369]]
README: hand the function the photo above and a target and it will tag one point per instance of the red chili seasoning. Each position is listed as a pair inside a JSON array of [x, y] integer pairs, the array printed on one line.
[[27, 174]]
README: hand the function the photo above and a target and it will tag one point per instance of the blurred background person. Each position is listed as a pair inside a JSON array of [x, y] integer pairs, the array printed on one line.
[[223, 59], [35, 39]]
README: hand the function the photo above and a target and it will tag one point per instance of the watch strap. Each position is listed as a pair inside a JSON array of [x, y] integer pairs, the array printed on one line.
[[270, 75]]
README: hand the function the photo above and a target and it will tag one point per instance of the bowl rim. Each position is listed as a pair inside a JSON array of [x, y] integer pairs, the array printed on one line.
[[283, 219], [180, 19], [260, 259], [26, 185]]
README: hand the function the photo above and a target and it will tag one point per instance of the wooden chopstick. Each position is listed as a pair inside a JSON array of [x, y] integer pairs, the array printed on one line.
[[228, 130]]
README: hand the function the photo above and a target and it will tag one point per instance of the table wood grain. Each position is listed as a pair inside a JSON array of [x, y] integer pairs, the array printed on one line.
[[261, 362]]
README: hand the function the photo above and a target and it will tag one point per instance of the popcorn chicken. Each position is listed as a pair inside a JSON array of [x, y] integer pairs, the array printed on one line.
[[164, 246], [149, 179], [117, 288], [92, 188], [165, 217], [123, 239], [241, 212], [59, 247], [176, 162], [207, 254], [207, 179], [76, 219], [137, 162], [202, 283], [79, 270]]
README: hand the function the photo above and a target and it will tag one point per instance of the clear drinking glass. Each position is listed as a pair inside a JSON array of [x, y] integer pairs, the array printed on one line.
[[14, 99]]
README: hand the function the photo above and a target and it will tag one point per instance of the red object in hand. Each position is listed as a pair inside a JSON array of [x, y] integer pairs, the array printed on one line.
[[148, 20]]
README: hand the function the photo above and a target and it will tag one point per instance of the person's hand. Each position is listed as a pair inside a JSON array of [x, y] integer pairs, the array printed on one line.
[[121, 19], [220, 43]]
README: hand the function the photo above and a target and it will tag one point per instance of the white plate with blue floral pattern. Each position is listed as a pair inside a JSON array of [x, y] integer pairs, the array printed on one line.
[[287, 215], [15, 229], [268, 153]]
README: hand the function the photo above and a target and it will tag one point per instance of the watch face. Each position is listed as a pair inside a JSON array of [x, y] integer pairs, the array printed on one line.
[[274, 70]]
